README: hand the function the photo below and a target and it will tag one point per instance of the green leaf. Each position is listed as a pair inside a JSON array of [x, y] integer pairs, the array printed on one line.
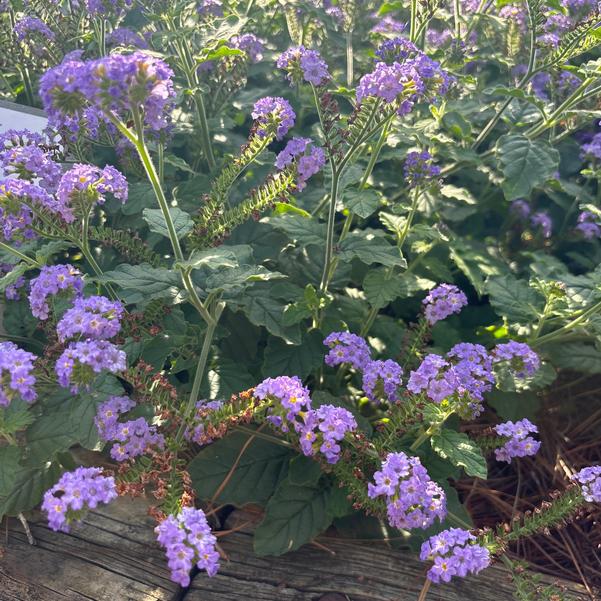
[[156, 223], [140, 195], [227, 378], [450, 191], [525, 164], [514, 299], [178, 162], [289, 359], [370, 246], [294, 515], [457, 125], [362, 202], [304, 471], [381, 289], [261, 467], [305, 230], [28, 488], [212, 258], [9, 467], [513, 405], [459, 449], [238, 278], [575, 356], [144, 281], [264, 310]]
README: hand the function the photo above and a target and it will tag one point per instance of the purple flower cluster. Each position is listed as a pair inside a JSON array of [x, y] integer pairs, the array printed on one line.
[[555, 26], [388, 24], [91, 317], [249, 43], [29, 26], [107, 7], [439, 39], [273, 116], [442, 301], [587, 225], [520, 208], [419, 170], [12, 291], [322, 429], [390, 83], [455, 552], [590, 480], [188, 540], [302, 64], [520, 358], [53, 280], [347, 348], [196, 431], [413, 500], [74, 493], [81, 361], [16, 218], [435, 377], [16, 374], [382, 379], [515, 14], [112, 86], [123, 36], [209, 7], [30, 162], [307, 158], [133, 437], [542, 220], [86, 185], [288, 396], [593, 148], [520, 444], [397, 50]]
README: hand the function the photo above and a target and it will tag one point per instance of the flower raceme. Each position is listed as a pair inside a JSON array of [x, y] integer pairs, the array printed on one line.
[[94, 317], [273, 116], [16, 374], [64, 280], [413, 500], [442, 301], [589, 479], [347, 348], [76, 492], [304, 156], [518, 443], [113, 87], [306, 65], [188, 541], [455, 552]]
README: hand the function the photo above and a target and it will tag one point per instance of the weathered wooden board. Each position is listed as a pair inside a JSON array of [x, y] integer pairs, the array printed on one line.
[[113, 557]]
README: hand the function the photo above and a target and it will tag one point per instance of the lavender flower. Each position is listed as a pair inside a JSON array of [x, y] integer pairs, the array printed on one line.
[[81, 361], [75, 492], [288, 398], [112, 86], [419, 170], [188, 540], [31, 163], [307, 163], [86, 185], [274, 116], [519, 443], [12, 291], [123, 36], [587, 225], [542, 220], [93, 317], [520, 208], [304, 65], [521, 359], [554, 27], [347, 348], [439, 39], [442, 301], [593, 148], [388, 24], [53, 280], [30, 26], [590, 480], [133, 437], [382, 379], [322, 429], [455, 552], [196, 430], [397, 50], [250, 44], [515, 15], [12, 138], [16, 374], [413, 500], [391, 83], [435, 378], [209, 7]]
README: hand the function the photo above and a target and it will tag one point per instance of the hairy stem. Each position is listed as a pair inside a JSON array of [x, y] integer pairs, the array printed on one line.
[[19, 255]]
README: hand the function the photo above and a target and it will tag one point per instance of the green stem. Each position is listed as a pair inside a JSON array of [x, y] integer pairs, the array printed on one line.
[[349, 59], [457, 18], [200, 369], [19, 255], [413, 27], [273, 439], [475, 19], [323, 286]]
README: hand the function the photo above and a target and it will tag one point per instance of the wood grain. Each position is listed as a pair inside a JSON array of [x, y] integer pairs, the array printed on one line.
[[113, 556]]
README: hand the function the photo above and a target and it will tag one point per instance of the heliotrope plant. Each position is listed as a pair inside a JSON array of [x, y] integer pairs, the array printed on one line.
[[247, 232]]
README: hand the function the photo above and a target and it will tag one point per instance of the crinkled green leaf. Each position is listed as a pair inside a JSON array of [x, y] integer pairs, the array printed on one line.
[[460, 450]]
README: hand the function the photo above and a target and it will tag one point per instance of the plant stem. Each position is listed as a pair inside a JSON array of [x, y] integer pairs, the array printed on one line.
[[413, 27], [424, 592], [325, 278], [19, 255], [457, 18], [349, 59]]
